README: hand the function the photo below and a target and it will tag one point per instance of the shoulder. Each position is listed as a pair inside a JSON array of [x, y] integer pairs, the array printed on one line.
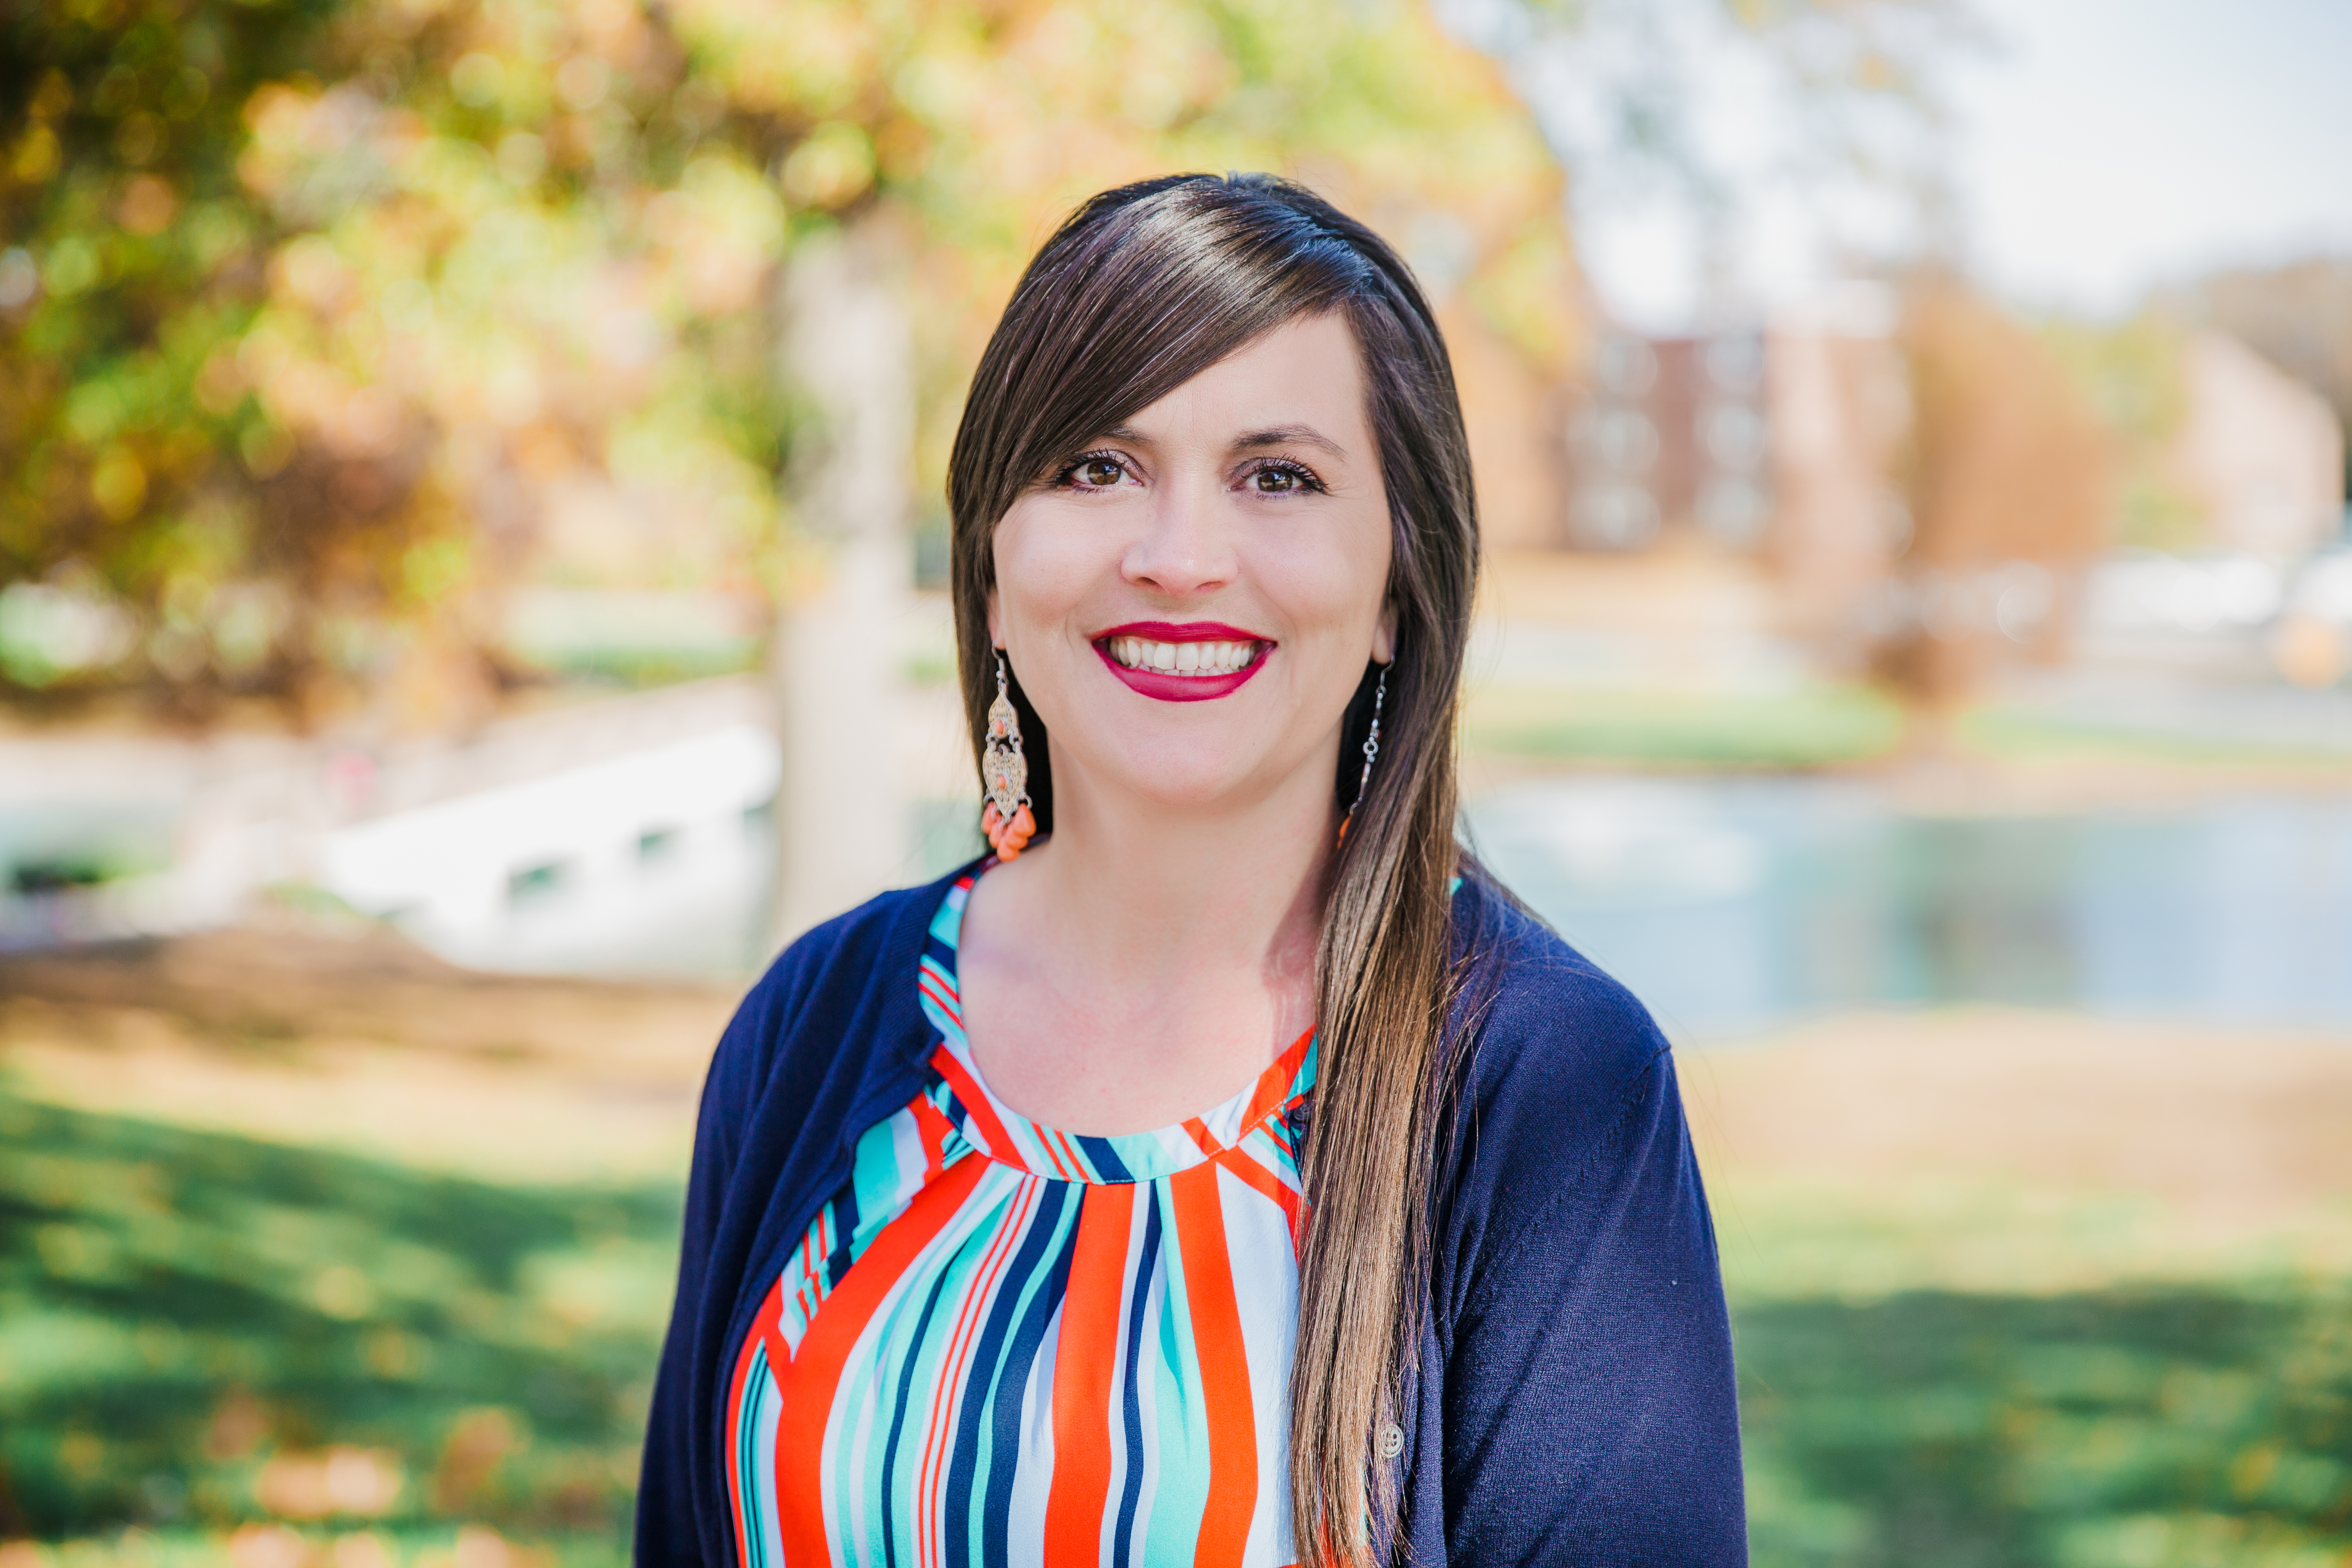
[[1588, 1410], [1562, 1091], [843, 953], [846, 980], [1539, 1027]]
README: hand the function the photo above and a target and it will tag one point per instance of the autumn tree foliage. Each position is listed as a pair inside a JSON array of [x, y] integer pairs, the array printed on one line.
[[306, 306], [2008, 474]]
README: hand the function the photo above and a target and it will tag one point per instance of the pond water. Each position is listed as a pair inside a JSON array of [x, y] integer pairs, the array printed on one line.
[[1729, 905], [1732, 905]]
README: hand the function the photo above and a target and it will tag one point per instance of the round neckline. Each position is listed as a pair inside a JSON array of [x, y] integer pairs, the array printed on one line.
[[1258, 1110]]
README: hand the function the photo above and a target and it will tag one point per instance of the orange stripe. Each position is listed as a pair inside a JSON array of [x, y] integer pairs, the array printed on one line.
[[1203, 1137], [1078, 1168], [1224, 1368], [1057, 1147], [809, 1383], [933, 1130], [1274, 1084], [975, 1101], [1085, 1369], [949, 1002], [1054, 1152], [1294, 1207]]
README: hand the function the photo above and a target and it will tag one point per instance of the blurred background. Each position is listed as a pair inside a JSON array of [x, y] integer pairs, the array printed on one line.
[[471, 561]]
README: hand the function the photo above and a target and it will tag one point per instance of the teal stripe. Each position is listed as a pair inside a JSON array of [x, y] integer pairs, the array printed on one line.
[[1179, 1434]]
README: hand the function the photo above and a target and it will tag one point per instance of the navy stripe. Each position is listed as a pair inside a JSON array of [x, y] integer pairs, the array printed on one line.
[[845, 1227], [898, 1415], [1130, 1409], [1012, 1387], [1109, 1167], [952, 1105], [987, 1353]]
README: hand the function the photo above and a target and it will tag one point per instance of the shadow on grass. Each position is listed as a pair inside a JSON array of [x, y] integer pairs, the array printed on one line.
[[197, 1329], [2137, 1429]]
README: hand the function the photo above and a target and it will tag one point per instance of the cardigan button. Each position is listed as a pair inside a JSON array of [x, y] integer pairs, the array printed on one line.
[[1391, 1440]]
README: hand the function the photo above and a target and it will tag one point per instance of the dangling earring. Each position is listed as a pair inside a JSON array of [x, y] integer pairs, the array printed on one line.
[[1371, 753], [1005, 775]]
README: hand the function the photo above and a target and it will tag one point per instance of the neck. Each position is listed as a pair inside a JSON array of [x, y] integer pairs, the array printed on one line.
[[1161, 899], [1143, 962]]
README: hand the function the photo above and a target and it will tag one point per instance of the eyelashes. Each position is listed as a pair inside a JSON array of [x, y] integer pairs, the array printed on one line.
[[1297, 475], [1071, 476], [1094, 472]]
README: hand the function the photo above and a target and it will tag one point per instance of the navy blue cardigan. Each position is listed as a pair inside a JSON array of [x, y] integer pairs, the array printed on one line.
[[1573, 1399]]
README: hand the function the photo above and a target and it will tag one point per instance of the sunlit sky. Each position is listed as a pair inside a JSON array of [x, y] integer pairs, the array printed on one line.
[[2100, 147], [2108, 144]]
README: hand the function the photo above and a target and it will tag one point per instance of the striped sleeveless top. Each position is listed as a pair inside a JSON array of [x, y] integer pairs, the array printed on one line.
[[1000, 1346]]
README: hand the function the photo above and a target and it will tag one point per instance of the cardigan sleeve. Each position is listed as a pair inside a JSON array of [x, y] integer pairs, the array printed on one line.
[[1589, 1410], [824, 1037], [669, 1529]]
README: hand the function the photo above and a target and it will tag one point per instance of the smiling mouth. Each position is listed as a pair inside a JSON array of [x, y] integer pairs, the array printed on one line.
[[1195, 659]]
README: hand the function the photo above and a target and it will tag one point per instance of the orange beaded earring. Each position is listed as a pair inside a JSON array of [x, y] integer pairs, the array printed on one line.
[[1004, 775]]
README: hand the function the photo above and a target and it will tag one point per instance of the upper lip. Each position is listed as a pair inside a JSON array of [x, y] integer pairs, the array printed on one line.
[[1190, 631]]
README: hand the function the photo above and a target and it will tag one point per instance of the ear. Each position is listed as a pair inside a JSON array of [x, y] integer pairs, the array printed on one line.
[[995, 624], [1384, 634]]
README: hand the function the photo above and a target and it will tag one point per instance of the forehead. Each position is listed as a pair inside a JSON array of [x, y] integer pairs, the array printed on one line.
[[1306, 370]]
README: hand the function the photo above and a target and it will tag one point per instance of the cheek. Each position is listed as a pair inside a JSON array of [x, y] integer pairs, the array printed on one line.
[[1044, 567], [1026, 590], [1331, 580]]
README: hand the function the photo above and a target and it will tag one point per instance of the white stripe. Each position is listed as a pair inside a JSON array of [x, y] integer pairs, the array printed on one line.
[[862, 1436], [1032, 1478], [1226, 1121], [1265, 1294]]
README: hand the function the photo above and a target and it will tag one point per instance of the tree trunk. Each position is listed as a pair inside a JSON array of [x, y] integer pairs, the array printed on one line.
[[843, 830]]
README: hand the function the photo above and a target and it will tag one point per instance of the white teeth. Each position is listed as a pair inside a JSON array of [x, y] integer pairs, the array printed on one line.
[[1183, 658]]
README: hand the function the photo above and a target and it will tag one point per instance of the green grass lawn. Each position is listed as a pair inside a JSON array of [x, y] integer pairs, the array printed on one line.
[[194, 1326], [2171, 1427], [228, 1348]]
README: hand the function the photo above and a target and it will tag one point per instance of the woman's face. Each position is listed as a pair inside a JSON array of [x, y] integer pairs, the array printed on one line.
[[1190, 601]]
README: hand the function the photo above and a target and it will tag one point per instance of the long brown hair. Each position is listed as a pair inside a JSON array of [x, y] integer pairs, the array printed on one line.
[[1141, 289]]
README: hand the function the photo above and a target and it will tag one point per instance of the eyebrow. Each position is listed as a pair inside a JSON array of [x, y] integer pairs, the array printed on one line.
[[1248, 440], [1285, 435]]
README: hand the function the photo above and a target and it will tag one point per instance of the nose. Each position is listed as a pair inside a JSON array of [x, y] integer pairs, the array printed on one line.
[[1185, 548]]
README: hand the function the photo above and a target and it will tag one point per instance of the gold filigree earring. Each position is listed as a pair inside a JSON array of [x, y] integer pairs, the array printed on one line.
[[1005, 775]]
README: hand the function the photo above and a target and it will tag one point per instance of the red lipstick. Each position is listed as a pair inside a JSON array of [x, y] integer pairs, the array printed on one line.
[[1169, 688]]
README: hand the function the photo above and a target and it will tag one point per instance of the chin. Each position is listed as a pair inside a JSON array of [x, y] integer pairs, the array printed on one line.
[[1182, 775]]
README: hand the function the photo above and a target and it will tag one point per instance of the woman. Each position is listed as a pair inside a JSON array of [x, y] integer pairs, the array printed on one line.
[[1227, 1170]]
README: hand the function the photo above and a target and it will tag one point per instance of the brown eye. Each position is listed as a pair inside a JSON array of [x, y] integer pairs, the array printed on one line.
[[1274, 481], [1097, 473]]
